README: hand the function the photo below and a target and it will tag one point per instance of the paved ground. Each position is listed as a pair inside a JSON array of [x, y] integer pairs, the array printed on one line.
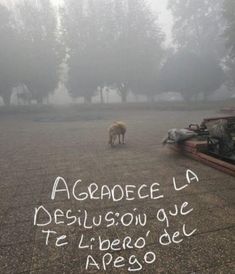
[[37, 148]]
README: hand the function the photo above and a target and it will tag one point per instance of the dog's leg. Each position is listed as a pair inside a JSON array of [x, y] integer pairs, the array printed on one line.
[[114, 139]]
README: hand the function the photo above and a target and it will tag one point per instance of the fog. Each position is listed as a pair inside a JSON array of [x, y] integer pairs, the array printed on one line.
[[117, 122], [60, 52]]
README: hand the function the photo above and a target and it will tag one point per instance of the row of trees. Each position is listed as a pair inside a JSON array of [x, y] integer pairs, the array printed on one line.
[[117, 44]]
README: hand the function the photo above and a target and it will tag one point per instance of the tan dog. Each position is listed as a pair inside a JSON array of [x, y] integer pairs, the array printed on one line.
[[117, 129]]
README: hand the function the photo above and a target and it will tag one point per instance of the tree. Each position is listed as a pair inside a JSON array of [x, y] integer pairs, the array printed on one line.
[[8, 54], [197, 29], [87, 30], [198, 26], [110, 43], [139, 48], [40, 51], [229, 34], [188, 74]]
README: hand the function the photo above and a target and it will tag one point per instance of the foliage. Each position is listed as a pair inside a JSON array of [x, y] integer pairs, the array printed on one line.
[[111, 43], [8, 54], [229, 34], [196, 68], [188, 74], [198, 25], [40, 52]]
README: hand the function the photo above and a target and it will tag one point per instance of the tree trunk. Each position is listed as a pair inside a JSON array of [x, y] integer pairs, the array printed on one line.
[[101, 96], [6, 98], [107, 95], [123, 93], [123, 96], [150, 98], [47, 99], [87, 99], [205, 96], [39, 100], [187, 97]]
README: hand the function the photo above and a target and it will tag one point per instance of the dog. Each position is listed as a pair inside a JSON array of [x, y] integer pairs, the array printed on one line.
[[117, 129]]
